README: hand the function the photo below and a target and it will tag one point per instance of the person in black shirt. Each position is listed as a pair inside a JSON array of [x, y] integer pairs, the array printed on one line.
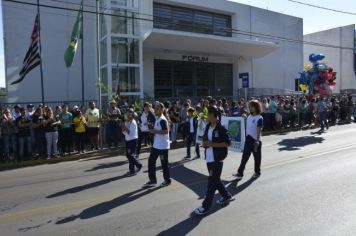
[[50, 124], [40, 140], [24, 135]]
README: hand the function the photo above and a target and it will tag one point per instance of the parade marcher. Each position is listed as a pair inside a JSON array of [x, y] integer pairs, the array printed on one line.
[[92, 116], [24, 135], [130, 130], [50, 124], [9, 135], [160, 147], [253, 142], [112, 126], [146, 121], [216, 142], [66, 130], [79, 131], [192, 126]]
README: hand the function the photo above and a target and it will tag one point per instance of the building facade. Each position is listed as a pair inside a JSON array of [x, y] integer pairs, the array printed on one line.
[[156, 48], [342, 57]]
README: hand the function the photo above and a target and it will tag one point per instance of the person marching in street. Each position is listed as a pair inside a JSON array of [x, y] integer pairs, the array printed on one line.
[[161, 145], [192, 126], [253, 142], [130, 130], [146, 122], [216, 143]]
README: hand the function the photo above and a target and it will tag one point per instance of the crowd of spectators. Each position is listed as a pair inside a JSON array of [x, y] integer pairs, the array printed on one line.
[[42, 133]]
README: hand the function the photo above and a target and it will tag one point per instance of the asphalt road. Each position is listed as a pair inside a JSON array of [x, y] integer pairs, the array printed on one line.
[[307, 187]]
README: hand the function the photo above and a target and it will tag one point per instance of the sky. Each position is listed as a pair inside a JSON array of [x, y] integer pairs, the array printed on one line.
[[314, 19]]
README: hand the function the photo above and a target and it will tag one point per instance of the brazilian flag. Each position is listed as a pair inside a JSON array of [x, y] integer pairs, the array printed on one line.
[[76, 35]]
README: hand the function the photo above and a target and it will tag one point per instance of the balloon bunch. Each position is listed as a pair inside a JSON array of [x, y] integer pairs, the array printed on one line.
[[317, 78]]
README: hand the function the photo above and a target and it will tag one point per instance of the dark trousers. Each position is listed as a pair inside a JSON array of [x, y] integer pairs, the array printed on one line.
[[189, 142], [323, 119], [80, 141], [144, 136], [66, 140], [214, 183], [112, 131], [248, 149], [130, 151], [155, 153], [41, 144]]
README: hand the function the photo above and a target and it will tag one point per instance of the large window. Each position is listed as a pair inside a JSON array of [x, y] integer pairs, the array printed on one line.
[[125, 50], [184, 79], [128, 77], [190, 20]]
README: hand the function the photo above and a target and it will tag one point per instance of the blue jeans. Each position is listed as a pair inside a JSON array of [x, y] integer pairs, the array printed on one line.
[[9, 142], [323, 120], [22, 142], [174, 132]]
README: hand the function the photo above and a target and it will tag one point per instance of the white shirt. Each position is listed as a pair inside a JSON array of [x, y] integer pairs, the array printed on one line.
[[133, 132], [209, 155], [93, 117], [144, 126], [252, 124], [161, 141], [191, 125]]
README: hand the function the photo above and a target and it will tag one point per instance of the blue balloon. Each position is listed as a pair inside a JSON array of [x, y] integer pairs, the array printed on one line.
[[316, 57]]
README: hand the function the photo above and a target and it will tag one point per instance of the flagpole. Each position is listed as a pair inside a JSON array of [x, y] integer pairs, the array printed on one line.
[[98, 70], [40, 49], [82, 29]]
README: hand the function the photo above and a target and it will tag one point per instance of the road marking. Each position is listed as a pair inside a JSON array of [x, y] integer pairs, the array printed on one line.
[[64, 207]]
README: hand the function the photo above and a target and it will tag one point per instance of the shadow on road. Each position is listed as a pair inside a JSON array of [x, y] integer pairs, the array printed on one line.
[[297, 143], [86, 186], [105, 207], [187, 225], [107, 165]]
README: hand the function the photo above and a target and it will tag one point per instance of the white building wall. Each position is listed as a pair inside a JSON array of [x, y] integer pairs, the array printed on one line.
[[60, 83], [342, 60], [276, 70]]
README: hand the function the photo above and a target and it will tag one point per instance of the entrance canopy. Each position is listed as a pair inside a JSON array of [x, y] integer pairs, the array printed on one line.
[[201, 43]]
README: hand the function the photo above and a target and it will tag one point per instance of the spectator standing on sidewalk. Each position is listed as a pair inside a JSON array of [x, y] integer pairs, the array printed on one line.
[[80, 124], [175, 119], [40, 139], [24, 135], [112, 126], [50, 124], [322, 110], [92, 115], [66, 130], [9, 135]]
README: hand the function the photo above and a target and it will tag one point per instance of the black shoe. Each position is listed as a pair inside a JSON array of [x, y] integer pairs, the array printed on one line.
[[138, 169], [149, 184], [238, 176], [256, 175], [223, 200], [129, 174], [165, 183]]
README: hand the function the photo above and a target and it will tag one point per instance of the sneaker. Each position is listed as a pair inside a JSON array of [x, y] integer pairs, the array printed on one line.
[[138, 169], [238, 176], [165, 183], [186, 158], [149, 184], [255, 175], [200, 211], [196, 158], [223, 200]]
